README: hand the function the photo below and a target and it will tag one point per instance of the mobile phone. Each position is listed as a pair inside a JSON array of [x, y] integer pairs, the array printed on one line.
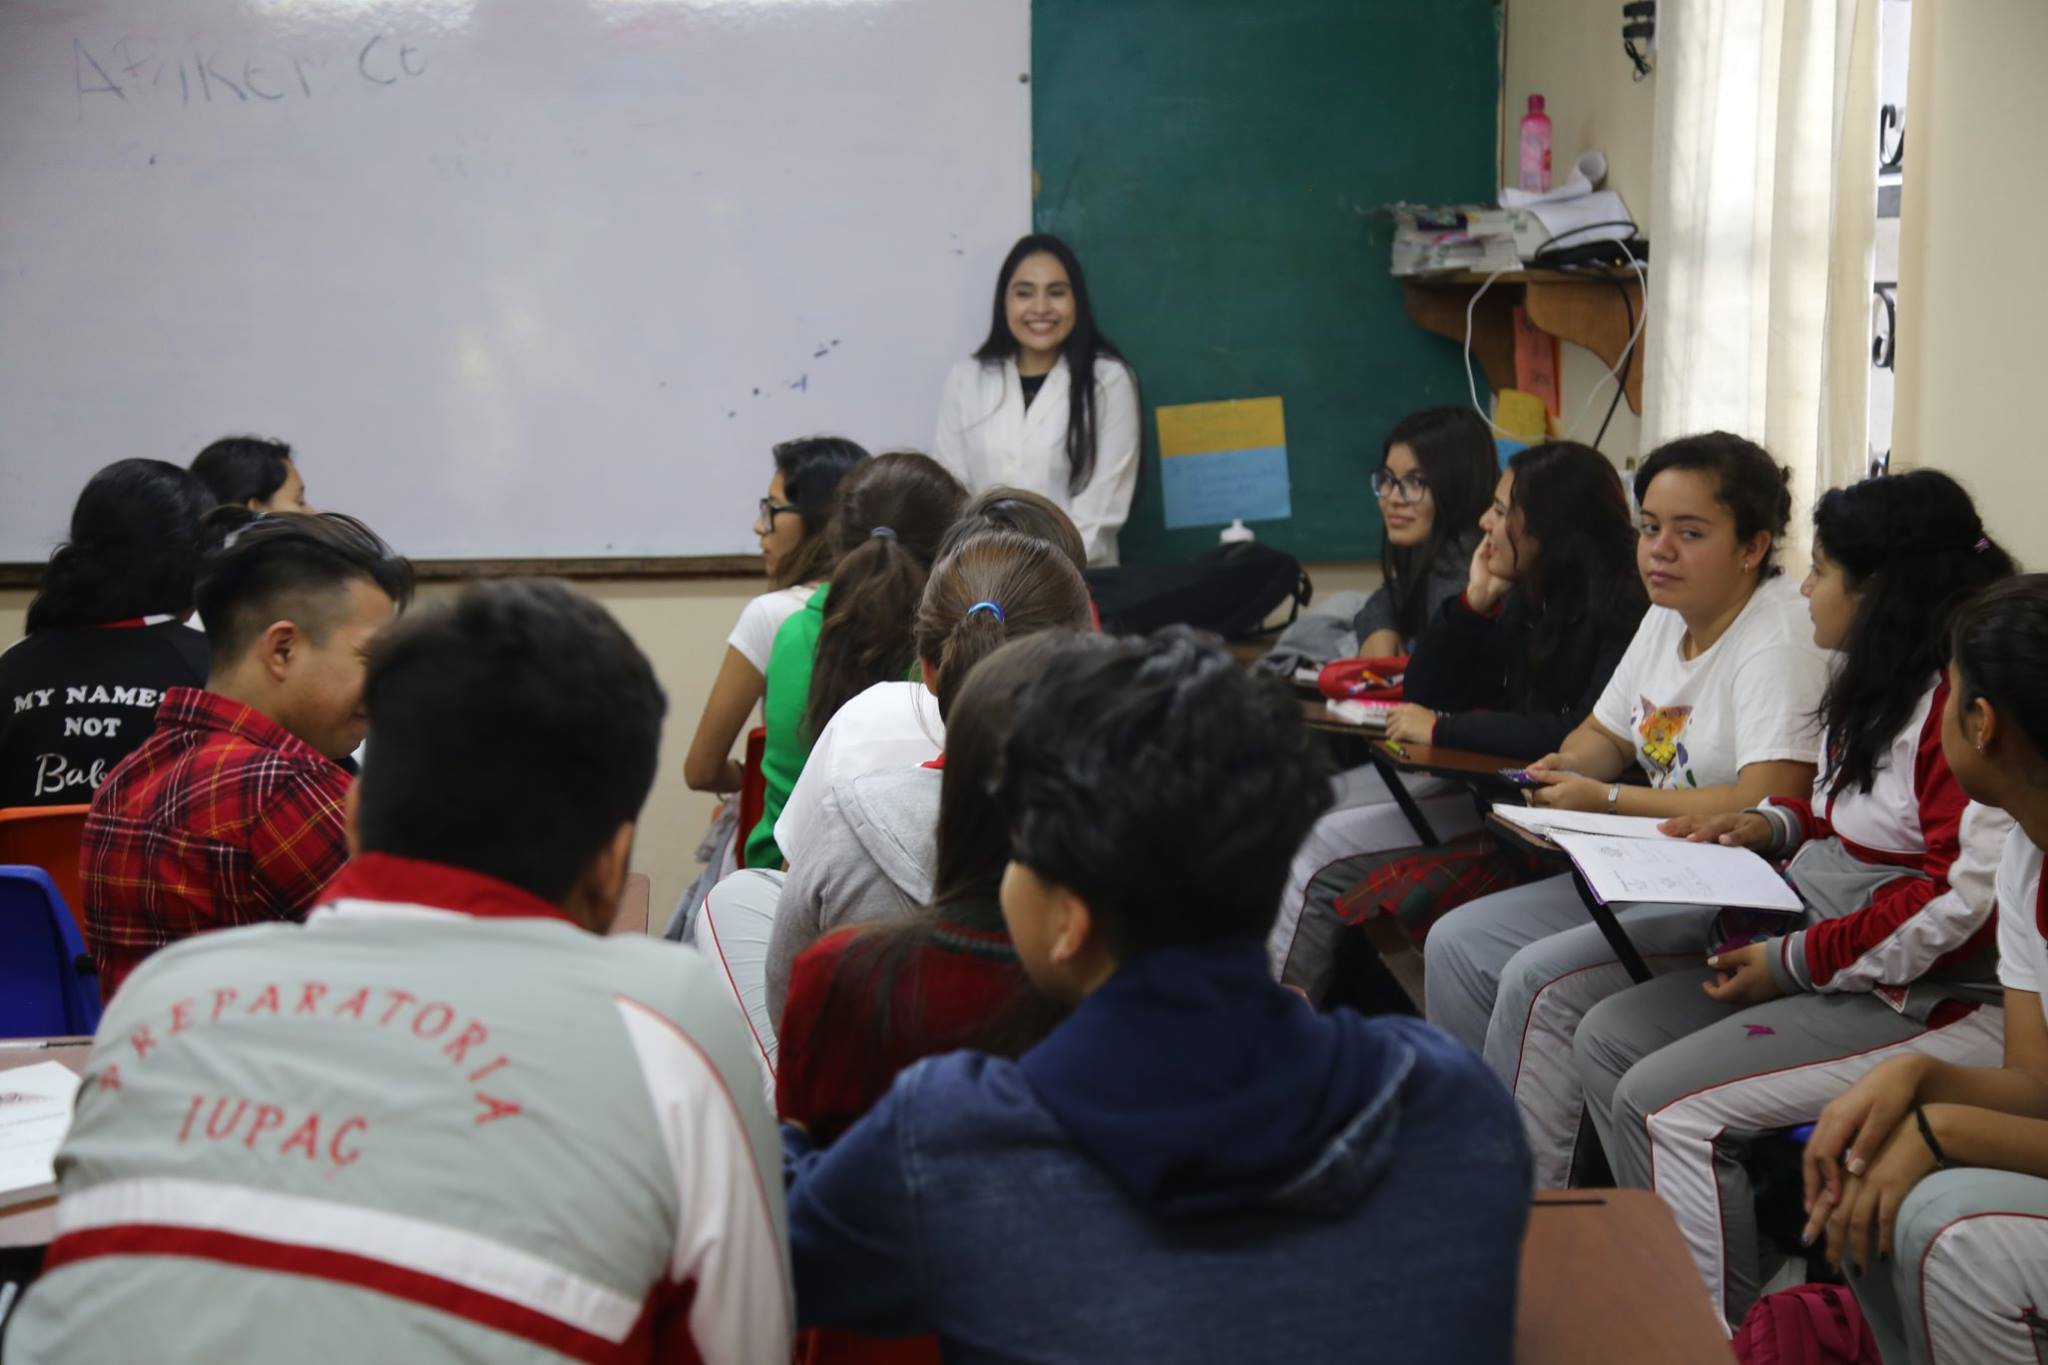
[[1518, 777]]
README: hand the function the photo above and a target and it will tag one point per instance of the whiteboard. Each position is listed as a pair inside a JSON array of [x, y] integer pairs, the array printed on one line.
[[516, 278]]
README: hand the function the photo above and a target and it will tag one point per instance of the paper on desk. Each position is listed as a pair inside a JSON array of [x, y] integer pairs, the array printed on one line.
[[1546, 822], [35, 1113], [1589, 170], [1622, 869]]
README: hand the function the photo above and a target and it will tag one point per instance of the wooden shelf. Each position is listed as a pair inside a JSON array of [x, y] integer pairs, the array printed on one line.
[[1582, 307]]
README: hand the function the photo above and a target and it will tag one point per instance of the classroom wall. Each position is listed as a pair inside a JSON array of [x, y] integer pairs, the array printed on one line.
[[1569, 51], [682, 626], [1969, 347]]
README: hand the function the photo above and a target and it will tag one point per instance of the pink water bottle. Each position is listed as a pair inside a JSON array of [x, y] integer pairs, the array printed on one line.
[[1536, 148]]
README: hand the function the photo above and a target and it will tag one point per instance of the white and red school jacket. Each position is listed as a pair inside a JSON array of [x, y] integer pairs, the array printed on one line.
[[1938, 914], [438, 1122]]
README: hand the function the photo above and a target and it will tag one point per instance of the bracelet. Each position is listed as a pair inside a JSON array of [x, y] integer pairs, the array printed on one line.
[[1927, 1136], [1613, 797]]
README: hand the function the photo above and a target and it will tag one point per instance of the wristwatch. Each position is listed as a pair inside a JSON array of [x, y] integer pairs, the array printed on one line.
[[1613, 797]]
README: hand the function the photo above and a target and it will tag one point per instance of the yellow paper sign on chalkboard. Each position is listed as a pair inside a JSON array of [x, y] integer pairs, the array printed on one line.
[[1224, 461]]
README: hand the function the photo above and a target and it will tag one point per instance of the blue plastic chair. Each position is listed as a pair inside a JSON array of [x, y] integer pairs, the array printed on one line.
[[47, 983]]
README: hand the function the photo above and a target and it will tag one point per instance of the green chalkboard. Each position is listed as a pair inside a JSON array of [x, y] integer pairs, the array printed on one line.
[[1209, 161]]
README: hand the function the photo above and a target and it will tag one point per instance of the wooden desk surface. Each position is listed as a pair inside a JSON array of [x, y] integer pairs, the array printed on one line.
[[1444, 761], [34, 1224], [1606, 1281]]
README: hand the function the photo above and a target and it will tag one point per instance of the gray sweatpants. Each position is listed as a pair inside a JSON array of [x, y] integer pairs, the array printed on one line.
[[1679, 1086], [734, 927], [1513, 973], [1967, 1283]]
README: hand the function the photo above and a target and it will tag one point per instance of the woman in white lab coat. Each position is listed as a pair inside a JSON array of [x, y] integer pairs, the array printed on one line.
[[1013, 415]]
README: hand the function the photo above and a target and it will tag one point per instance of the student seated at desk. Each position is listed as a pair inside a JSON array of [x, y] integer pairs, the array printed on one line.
[[1897, 948], [1928, 1180], [1508, 667], [870, 856], [252, 472], [1193, 1166], [870, 853], [854, 631], [895, 723], [106, 635], [447, 1120], [1436, 476], [231, 813], [1714, 701], [791, 526]]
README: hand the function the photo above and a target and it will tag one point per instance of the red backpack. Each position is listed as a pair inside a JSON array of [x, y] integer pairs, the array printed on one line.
[[1811, 1324]]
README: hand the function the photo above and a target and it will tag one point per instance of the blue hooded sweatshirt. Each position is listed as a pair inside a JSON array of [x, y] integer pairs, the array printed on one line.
[[1195, 1166]]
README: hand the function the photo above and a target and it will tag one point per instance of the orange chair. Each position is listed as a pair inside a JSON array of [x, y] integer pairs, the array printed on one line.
[[753, 785], [48, 837]]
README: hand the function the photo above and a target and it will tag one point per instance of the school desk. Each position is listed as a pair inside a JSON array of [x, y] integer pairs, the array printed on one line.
[[1606, 1281], [1540, 848], [1480, 772], [34, 1223]]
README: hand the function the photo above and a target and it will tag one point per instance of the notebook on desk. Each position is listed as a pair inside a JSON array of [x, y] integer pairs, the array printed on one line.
[[1622, 868], [35, 1113]]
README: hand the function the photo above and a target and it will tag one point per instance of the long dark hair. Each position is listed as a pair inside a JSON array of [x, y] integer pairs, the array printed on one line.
[[1572, 505], [133, 550], [973, 848], [892, 511], [1999, 642], [1032, 587], [1911, 546], [1080, 350], [242, 469], [1454, 446], [811, 468]]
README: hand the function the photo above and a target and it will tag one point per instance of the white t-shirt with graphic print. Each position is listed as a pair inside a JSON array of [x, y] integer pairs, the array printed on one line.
[[1750, 698]]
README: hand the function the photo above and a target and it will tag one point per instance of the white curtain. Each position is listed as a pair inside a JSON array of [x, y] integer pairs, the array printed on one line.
[[1764, 188]]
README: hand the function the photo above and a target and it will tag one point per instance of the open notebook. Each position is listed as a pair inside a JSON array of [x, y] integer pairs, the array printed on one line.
[[1625, 858], [35, 1113]]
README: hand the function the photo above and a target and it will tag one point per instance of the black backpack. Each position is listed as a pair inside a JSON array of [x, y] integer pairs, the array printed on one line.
[[1230, 590]]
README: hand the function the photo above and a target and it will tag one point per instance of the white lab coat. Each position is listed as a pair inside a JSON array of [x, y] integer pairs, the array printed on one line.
[[987, 437]]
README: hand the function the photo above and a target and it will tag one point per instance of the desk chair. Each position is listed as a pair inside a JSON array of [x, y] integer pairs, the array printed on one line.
[[47, 983], [48, 837]]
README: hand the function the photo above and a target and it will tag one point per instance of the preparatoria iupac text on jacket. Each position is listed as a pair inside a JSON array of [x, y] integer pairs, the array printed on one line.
[[439, 1122], [1194, 1167]]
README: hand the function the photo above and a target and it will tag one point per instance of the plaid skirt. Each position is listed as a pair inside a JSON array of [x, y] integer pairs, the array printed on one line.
[[1416, 887]]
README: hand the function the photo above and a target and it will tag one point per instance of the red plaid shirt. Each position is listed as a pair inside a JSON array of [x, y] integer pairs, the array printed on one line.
[[222, 817]]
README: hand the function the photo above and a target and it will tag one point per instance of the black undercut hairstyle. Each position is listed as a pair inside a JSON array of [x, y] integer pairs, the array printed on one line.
[[1163, 785], [516, 730], [290, 568]]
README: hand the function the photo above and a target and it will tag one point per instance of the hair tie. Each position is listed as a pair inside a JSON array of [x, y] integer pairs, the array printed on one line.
[[885, 532], [1983, 544], [985, 606]]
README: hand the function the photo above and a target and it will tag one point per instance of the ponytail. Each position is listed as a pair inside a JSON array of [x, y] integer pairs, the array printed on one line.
[[892, 511], [994, 587]]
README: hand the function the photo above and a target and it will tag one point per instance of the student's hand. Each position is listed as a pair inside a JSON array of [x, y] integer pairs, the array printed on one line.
[[1744, 829], [1411, 724], [1745, 976], [1563, 789], [1484, 587], [1860, 1224], [1851, 1130]]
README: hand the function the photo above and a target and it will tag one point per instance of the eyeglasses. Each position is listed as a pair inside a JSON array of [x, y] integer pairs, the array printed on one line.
[[1410, 488], [770, 510]]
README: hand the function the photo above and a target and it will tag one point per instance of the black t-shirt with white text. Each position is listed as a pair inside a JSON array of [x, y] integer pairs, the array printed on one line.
[[73, 703]]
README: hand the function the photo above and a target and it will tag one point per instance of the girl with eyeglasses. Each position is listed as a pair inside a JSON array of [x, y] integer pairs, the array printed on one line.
[[1435, 480], [790, 525]]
